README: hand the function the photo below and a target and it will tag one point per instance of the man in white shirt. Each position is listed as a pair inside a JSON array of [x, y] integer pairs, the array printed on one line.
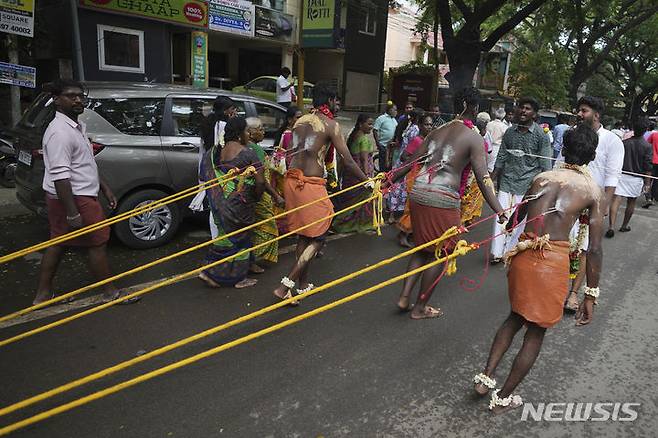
[[605, 170], [496, 128], [72, 183], [284, 89]]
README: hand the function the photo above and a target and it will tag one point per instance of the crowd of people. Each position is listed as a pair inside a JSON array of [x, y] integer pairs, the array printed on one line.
[[553, 195]]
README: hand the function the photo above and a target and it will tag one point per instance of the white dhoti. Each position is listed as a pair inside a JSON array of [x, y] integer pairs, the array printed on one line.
[[629, 186], [506, 241]]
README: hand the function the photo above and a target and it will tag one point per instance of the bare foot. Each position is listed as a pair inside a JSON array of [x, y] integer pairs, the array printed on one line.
[[497, 410], [426, 313], [481, 389], [247, 282], [43, 296], [281, 292], [572, 302], [403, 304], [255, 269]]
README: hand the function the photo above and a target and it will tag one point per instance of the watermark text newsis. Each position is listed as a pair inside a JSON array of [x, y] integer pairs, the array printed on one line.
[[579, 411]]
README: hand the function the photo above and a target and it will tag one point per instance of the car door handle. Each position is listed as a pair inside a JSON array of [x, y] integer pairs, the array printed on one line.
[[185, 145]]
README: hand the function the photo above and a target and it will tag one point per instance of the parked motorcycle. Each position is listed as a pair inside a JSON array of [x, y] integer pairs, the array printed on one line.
[[7, 161]]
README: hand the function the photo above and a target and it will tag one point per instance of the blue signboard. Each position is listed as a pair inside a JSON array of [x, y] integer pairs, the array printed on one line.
[[20, 75]]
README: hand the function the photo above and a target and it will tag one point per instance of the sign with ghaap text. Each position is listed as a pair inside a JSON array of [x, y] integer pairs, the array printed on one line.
[[186, 12], [17, 16], [232, 16], [19, 75]]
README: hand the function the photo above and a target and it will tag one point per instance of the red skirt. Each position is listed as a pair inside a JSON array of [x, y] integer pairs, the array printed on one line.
[[90, 211], [429, 223]]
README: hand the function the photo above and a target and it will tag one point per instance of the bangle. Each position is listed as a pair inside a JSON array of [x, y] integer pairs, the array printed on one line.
[[593, 292], [70, 218]]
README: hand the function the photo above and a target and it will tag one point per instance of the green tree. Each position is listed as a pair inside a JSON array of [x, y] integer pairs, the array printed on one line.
[[471, 27]]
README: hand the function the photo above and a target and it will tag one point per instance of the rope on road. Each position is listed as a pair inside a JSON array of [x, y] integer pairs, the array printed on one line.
[[375, 197], [451, 232], [137, 269], [461, 249]]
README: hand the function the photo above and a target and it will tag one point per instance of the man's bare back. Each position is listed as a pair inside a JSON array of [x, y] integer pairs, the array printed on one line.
[[566, 191], [448, 150]]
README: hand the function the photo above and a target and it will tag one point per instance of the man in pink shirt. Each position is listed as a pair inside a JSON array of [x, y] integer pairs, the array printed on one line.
[[72, 183], [652, 195]]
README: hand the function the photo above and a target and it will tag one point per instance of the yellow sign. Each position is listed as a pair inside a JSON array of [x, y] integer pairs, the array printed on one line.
[[17, 16]]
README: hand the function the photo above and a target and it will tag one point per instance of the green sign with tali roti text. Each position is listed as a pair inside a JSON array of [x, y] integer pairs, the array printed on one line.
[[186, 12], [318, 21]]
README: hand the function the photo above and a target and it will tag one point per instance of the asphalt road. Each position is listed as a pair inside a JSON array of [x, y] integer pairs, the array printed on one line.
[[362, 369]]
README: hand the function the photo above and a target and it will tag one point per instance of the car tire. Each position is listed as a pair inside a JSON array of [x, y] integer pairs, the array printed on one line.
[[147, 230]]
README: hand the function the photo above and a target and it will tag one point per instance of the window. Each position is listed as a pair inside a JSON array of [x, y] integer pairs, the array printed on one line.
[[270, 86], [271, 117], [368, 23], [258, 84], [131, 116], [120, 49], [188, 114]]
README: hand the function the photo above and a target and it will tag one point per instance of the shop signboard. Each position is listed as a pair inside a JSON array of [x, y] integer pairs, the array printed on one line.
[[273, 24], [199, 59], [17, 17], [184, 12], [318, 23], [232, 16], [19, 75]]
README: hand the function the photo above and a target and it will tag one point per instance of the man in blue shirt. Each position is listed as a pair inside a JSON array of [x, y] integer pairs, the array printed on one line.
[[558, 132], [383, 131], [514, 173]]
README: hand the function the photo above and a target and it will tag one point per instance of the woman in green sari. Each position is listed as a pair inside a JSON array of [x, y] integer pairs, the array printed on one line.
[[362, 148], [232, 204], [264, 208]]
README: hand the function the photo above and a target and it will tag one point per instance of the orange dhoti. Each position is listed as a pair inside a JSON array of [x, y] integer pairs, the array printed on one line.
[[538, 281], [299, 190]]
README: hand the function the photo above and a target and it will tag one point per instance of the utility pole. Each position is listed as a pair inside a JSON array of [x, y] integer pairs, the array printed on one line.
[[14, 90], [300, 59]]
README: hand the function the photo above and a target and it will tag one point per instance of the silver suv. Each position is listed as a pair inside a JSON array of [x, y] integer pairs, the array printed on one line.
[[146, 141]]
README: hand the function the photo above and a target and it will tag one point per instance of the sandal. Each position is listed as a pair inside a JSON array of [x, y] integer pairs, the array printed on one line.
[[289, 284], [624, 229], [483, 384], [428, 313], [500, 405]]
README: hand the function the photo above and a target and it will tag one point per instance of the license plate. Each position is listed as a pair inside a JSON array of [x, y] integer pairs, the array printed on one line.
[[25, 157]]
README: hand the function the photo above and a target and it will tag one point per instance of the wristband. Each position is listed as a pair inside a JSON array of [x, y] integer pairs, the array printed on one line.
[[70, 218]]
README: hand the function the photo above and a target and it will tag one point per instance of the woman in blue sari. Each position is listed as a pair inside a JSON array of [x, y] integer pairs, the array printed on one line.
[[232, 204]]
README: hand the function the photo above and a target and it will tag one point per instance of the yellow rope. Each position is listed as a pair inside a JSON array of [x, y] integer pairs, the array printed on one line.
[[378, 204], [169, 257], [231, 174], [460, 250], [172, 280], [167, 348]]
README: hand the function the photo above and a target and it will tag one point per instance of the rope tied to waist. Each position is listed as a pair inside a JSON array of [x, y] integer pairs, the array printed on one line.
[[537, 244]]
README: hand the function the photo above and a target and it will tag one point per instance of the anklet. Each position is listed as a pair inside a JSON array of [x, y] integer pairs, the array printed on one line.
[[505, 402], [485, 380], [287, 282], [306, 289], [593, 292]]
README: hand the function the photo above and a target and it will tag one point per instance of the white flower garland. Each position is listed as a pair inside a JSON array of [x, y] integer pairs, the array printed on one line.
[[497, 401], [306, 289], [593, 292], [287, 282], [485, 380]]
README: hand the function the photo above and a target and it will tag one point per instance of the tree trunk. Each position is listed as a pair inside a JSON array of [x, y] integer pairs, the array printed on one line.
[[463, 52]]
